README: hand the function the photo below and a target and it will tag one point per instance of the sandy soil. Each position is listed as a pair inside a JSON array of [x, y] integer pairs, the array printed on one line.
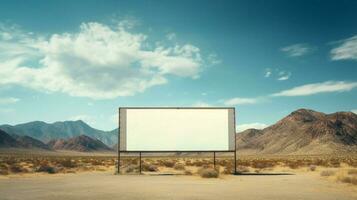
[[104, 185]]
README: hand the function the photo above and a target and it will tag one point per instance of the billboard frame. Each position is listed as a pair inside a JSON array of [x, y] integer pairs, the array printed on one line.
[[173, 151]]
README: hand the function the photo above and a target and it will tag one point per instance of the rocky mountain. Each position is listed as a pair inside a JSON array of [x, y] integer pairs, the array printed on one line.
[[81, 143], [60, 130], [303, 132], [15, 141]]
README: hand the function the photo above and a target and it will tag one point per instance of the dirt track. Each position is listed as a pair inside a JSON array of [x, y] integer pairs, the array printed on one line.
[[107, 186]]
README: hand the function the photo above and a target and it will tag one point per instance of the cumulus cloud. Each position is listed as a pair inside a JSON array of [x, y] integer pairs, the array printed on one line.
[[315, 88], [268, 73], [347, 50], [240, 101], [283, 76], [8, 100], [243, 127], [297, 50], [98, 61]]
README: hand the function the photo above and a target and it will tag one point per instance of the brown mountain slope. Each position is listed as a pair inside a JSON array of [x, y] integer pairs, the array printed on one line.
[[81, 143], [6, 141], [15, 141], [303, 132]]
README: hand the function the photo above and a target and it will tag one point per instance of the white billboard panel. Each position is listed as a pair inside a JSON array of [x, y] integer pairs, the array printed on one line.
[[177, 129]]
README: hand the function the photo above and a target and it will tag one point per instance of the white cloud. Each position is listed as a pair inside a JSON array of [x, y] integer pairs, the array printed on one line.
[[98, 61], [240, 101], [202, 104], [315, 88], [297, 50], [354, 111], [346, 51], [268, 73], [243, 127], [283, 76], [8, 100], [213, 59], [171, 36]]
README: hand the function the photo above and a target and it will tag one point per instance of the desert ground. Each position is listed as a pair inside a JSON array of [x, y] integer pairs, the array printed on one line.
[[261, 177]]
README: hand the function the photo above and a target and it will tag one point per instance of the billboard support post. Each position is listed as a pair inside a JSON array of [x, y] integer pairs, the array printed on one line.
[[214, 160]]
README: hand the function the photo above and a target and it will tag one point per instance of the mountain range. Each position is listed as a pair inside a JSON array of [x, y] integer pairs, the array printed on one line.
[[301, 132], [60, 130]]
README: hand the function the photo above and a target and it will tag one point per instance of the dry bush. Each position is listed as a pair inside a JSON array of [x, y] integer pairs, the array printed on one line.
[[188, 163], [327, 173], [149, 167], [46, 168], [242, 169], [168, 163], [352, 172], [68, 163], [208, 173], [262, 164], [334, 163], [96, 162], [348, 179], [4, 170], [228, 170], [312, 168], [15, 168], [188, 172], [179, 166], [131, 168]]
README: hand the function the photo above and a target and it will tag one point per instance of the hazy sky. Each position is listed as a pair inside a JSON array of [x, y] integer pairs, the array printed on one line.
[[62, 60]]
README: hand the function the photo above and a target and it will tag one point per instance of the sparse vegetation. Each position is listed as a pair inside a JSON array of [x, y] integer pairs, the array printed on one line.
[[327, 173], [179, 166], [208, 173]]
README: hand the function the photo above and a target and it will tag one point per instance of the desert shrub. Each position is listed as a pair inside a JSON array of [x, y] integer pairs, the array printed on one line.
[[46, 168], [294, 165], [352, 172], [208, 173], [334, 163], [228, 170], [68, 163], [179, 166], [96, 162], [327, 173], [149, 167], [15, 168], [261, 164], [188, 163], [312, 168], [4, 170], [131, 168], [188, 172], [348, 179], [242, 169], [168, 163]]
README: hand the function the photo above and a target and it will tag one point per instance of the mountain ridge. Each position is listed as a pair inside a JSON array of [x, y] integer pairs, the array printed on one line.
[[303, 131]]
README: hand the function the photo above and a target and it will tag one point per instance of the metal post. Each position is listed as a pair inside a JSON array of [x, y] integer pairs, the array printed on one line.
[[214, 160], [118, 170], [140, 162], [235, 144]]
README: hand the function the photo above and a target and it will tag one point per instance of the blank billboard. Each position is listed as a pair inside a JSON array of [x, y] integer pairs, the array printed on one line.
[[177, 129]]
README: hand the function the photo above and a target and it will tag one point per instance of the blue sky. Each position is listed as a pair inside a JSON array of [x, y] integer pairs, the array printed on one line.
[[68, 60]]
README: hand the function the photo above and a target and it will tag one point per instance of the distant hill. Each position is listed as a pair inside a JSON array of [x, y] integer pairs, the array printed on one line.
[[81, 143], [303, 132], [60, 130], [15, 141]]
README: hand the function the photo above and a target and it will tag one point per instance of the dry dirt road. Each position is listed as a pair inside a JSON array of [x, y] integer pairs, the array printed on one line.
[[107, 186]]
